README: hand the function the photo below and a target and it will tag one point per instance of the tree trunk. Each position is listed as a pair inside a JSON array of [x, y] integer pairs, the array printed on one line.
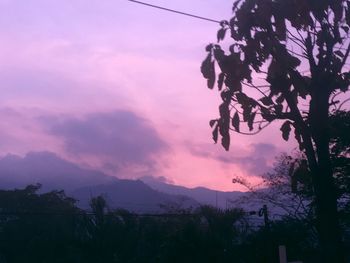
[[326, 210], [324, 187]]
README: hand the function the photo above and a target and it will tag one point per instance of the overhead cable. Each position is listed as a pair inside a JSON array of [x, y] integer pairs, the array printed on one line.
[[175, 11]]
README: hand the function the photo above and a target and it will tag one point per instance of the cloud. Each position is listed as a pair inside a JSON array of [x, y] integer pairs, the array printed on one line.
[[264, 149], [21, 133], [255, 160], [157, 179], [119, 139]]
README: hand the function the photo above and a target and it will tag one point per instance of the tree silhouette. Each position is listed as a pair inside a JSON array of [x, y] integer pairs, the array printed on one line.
[[340, 151], [288, 61], [39, 227], [47, 227]]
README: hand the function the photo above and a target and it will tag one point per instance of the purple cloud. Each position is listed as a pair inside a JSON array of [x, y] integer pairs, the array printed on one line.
[[255, 161], [120, 138]]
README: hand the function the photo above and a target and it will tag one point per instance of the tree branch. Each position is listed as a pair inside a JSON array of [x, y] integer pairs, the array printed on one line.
[[255, 87], [309, 51], [346, 55], [342, 104], [252, 133]]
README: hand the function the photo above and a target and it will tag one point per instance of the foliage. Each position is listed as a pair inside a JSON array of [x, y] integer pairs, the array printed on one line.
[[298, 206], [49, 228], [63, 233], [288, 61], [276, 191], [38, 227], [340, 151], [296, 235], [281, 54]]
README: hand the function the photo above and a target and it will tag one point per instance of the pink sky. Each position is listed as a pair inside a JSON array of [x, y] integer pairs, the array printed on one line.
[[116, 86]]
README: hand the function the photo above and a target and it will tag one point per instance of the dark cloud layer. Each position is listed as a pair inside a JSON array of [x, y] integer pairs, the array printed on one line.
[[121, 138]]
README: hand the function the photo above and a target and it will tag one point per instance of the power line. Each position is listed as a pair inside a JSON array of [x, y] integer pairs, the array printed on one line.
[[53, 213], [175, 11]]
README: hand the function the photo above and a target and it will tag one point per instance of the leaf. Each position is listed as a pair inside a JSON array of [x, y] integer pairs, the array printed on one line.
[[212, 122], [251, 121], [280, 99], [211, 82], [232, 82], [219, 55], [298, 137], [337, 8], [247, 110], [209, 47], [235, 121], [225, 141], [226, 95], [339, 53], [221, 34], [205, 67], [345, 28], [224, 23], [224, 111], [278, 108], [215, 133], [281, 28], [224, 124], [266, 114], [293, 61], [267, 101], [253, 103], [221, 80], [242, 99], [285, 128], [235, 5], [300, 84], [208, 71]]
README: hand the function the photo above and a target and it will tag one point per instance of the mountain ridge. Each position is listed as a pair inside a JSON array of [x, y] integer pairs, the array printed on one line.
[[203, 195], [55, 173]]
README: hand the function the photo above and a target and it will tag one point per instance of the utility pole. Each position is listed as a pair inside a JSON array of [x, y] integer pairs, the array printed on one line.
[[263, 212]]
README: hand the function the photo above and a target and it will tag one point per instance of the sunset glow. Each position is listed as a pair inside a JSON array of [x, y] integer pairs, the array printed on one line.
[[116, 86]]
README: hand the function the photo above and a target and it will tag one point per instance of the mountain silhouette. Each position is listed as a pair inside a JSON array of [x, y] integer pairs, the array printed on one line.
[[55, 173], [203, 195], [49, 170], [135, 196]]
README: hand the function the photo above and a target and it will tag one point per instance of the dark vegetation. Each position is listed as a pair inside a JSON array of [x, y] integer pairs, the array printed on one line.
[[287, 61], [48, 227]]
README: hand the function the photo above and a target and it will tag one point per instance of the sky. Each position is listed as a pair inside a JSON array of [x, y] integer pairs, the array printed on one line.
[[116, 86]]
